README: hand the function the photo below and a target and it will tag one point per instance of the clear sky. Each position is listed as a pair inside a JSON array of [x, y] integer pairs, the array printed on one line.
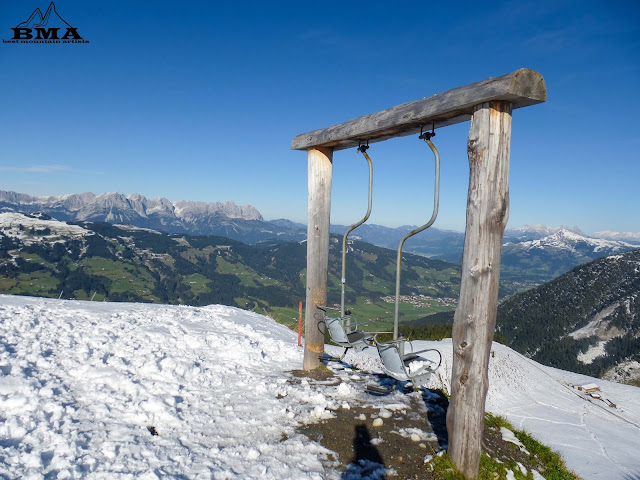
[[200, 100]]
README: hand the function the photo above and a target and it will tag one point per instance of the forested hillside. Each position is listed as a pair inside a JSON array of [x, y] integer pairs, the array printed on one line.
[[84, 260], [586, 320]]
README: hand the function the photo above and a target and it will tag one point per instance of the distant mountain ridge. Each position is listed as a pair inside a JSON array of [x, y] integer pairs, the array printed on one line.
[[87, 205], [535, 232], [532, 254], [243, 223], [548, 257]]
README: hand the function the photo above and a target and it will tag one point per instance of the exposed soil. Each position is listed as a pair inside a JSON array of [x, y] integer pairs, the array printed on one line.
[[382, 452]]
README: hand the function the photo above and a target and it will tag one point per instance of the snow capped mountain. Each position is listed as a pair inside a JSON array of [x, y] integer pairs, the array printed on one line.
[[569, 240], [535, 232], [88, 206], [192, 211], [629, 237], [161, 214], [106, 390]]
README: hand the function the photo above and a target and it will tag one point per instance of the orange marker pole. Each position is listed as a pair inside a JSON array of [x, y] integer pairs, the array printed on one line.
[[300, 326]]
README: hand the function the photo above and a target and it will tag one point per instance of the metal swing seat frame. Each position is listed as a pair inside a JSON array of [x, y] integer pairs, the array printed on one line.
[[395, 362], [410, 366], [342, 331]]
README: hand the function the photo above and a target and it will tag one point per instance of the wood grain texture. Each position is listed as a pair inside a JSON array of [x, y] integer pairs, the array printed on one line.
[[320, 171], [521, 88], [475, 317]]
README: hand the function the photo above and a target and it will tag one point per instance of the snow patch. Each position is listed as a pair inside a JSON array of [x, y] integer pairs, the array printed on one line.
[[509, 436], [593, 352], [10, 225]]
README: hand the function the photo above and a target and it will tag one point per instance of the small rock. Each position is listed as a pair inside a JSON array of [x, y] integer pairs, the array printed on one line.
[[362, 417], [415, 437], [377, 422], [422, 445]]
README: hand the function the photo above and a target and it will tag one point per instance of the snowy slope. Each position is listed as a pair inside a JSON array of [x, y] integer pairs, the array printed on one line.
[[81, 385], [596, 441], [11, 223]]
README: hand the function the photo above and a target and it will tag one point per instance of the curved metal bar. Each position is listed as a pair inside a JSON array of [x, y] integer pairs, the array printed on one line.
[[436, 196], [353, 227]]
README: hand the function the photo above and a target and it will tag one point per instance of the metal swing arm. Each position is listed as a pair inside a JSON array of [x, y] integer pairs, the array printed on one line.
[[427, 138], [363, 149]]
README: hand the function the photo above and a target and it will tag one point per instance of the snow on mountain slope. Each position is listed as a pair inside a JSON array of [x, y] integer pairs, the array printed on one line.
[[82, 384], [535, 232], [567, 240], [630, 237], [10, 226]]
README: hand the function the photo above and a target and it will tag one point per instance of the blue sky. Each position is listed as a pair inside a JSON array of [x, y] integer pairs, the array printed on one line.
[[200, 100]]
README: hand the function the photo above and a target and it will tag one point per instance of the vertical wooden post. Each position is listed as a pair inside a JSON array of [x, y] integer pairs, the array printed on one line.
[[320, 169], [300, 325], [475, 317]]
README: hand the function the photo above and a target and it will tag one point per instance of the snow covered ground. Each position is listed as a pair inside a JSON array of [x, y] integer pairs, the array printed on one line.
[[116, 390]]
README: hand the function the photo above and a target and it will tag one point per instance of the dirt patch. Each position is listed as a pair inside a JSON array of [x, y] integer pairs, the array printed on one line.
[[319, 374], [392, 443], [367, 442]]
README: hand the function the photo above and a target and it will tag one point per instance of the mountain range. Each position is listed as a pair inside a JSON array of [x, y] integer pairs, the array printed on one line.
[[532, 254], [243, 223], [546, 258]]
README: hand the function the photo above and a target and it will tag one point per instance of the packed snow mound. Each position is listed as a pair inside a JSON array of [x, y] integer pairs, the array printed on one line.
[[117, 390]]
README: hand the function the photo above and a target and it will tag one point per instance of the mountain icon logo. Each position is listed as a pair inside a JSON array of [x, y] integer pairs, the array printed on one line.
[[47, 28], [38, 20]]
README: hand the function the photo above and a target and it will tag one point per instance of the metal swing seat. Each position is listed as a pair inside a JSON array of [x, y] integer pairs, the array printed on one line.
[[342, 335], [396, 363], [342, 331], [406, 366]]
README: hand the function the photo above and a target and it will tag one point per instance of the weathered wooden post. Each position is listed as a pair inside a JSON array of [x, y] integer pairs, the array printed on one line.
[[475, 317], [320, 169]]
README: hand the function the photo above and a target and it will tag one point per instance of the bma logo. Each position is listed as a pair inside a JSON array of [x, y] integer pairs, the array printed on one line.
[[47, 28]]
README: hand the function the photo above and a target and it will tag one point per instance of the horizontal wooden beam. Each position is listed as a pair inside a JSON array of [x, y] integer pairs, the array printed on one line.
[[522, 88]]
